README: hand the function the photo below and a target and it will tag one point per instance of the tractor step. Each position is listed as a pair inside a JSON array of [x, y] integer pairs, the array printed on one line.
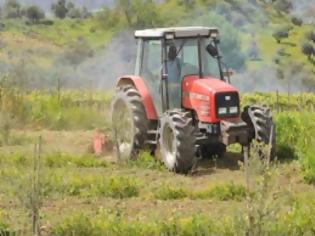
[[151, 142], [153, 132], [152, 137]]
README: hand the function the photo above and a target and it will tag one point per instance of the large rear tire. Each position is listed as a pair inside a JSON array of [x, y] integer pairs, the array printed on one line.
[[262, 127], [177, 141], [129, 122]]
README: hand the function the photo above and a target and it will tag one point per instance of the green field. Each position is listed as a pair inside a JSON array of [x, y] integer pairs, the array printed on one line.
[[82, 194]]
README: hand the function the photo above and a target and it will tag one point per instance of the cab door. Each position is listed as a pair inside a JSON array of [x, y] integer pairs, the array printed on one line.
[[151, 69]]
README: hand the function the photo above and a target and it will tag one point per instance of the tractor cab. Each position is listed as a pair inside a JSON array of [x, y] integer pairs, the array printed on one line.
[[167, 55]]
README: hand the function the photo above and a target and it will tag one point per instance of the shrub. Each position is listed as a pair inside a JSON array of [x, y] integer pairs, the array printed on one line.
[[308, 50], [310, 36], [280, 34], [297, 21]]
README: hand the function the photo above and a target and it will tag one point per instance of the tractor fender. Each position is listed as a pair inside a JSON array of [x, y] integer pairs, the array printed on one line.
[[139, 84]]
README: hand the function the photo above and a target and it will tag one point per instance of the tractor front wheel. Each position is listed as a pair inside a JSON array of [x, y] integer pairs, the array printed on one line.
[[262, 127], [177, 141]]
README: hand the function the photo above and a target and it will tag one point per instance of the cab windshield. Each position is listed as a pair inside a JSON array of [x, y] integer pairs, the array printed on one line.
[[187, 60]]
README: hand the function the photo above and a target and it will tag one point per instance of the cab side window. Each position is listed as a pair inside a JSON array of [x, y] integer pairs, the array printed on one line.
[[151, 67], [151, 62]]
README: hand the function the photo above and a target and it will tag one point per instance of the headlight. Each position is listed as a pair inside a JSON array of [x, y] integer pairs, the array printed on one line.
[[233, 110], [222, 110]]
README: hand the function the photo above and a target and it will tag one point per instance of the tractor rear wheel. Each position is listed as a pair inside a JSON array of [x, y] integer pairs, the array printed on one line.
[[129, 122], [177, 141], [260, 121]]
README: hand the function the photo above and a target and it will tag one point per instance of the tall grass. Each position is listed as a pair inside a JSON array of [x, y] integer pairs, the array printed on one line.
[[40, 109]]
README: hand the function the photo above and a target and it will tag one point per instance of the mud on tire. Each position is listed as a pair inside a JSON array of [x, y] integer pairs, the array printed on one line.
[[129, 122], [177, 141]]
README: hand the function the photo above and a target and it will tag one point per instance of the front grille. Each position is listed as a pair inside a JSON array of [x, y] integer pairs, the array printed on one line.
[[227, 100]]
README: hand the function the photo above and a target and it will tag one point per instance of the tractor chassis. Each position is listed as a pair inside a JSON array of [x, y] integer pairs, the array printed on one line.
[[225, 132]]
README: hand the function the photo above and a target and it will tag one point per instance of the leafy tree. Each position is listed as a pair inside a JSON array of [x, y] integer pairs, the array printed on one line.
[[308, 50], [34, 14], [280, 34], [12, 9], [60, 10]]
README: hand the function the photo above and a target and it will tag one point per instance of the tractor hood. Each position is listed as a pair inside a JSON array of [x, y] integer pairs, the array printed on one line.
[[207, 95], [206, 85]]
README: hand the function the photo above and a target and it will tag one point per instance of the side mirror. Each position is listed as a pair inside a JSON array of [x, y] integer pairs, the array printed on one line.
[[229, 73], [212, 50]]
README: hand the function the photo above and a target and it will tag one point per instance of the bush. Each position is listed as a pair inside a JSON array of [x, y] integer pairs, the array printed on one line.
[[297, 21], [308, 50], [310, 36]]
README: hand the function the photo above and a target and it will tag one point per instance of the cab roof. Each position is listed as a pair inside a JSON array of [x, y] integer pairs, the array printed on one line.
[[177, 32]]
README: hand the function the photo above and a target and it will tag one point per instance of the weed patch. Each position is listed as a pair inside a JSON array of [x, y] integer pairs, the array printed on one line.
[[91, 186], [146, 161], [59, 160], [167, 192], [223, 193]]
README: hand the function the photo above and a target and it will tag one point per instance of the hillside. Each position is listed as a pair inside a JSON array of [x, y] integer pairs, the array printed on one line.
[[246, 28]]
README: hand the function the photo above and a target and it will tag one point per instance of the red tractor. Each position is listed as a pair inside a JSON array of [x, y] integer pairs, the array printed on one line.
[[180, 102]]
